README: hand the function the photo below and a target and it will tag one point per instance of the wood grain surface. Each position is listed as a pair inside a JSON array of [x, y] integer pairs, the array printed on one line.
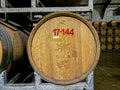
[[63, 49]]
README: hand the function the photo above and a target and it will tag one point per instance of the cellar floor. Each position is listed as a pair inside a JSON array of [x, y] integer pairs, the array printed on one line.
[[107, 72]]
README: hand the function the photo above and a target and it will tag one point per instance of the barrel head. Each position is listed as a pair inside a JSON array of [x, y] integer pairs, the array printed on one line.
[[63, 48]]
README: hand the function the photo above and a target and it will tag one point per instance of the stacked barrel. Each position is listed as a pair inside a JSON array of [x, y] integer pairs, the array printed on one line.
[[103, 34], [109, 34], [58, 46], [13, 53]]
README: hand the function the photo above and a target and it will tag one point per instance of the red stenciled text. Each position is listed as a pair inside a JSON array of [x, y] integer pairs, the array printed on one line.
[[63, 31]]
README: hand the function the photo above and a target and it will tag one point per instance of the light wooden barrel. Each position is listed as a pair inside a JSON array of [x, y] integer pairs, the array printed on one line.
[[117, 31], [103, 46], [96, 24], [60, 2], [112, 23], [63, 48], [103, 32], [103, 24], [110, 31], [12, 46]]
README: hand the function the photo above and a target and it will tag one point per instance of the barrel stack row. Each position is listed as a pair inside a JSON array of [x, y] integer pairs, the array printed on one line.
[[57, 48], [109, 35]]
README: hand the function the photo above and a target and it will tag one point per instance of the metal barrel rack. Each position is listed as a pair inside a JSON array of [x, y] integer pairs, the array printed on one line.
[[38, 85], [85, 11]]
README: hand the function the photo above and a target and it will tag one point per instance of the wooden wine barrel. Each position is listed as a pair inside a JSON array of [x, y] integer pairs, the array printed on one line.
[[112, 23], [12, 46], [110, 39], [117, 46], [63, 48], [110, 31], [117, 39], [60, 2], [103, 39], [96, 24], [109, 46], [103, 24], [103, 46], [103, 31], [117, 31]]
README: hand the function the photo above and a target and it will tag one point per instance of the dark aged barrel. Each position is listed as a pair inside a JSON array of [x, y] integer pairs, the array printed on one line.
[[61, 2], [12, 46], [63, 48]]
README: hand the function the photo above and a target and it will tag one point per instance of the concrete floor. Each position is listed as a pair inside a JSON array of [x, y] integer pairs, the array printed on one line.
[[107, 72]]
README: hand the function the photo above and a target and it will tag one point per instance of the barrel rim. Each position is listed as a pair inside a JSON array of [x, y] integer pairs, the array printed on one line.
[[67, 14]]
